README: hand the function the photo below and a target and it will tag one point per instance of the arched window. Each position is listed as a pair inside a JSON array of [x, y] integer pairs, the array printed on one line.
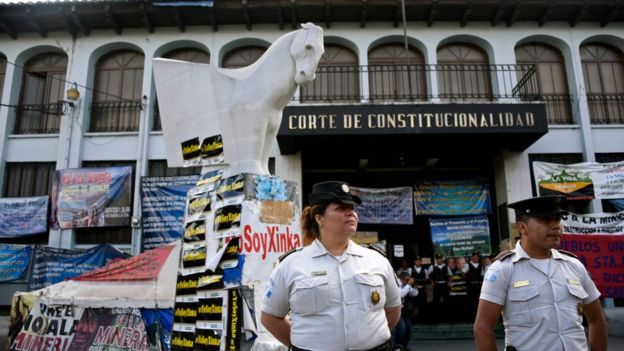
[[552, 83], [337, 77], [390, 77], [183, 54], [603, 72], [43, 86], [242, 57], [116, 105], [463, 73]]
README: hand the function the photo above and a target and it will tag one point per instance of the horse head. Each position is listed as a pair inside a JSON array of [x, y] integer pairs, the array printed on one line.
[[306, 49]]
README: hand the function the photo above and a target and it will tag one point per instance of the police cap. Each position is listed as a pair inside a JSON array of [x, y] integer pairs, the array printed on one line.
[[333, 191], [540, 207], [439, 256]]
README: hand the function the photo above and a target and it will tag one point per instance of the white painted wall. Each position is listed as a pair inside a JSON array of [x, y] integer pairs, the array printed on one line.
[[72, 145]]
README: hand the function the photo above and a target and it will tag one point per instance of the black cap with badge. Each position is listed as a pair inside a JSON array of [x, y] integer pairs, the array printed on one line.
[[333, 191], [540, 207]]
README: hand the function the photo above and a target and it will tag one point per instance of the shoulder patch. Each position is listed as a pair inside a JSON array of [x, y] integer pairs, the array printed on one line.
[[288, 253], [568, 253], [376, 249], [504, 255]]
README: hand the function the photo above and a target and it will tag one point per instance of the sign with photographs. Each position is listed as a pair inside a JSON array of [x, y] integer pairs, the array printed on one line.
[[91, 197], [580, 181]]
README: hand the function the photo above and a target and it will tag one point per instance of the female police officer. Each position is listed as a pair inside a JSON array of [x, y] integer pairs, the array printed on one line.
[[341, 296]]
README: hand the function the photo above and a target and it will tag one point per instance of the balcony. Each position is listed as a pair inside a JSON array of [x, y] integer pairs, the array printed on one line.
[[115, 116], [392, 82], [606, 108], [38, 118]]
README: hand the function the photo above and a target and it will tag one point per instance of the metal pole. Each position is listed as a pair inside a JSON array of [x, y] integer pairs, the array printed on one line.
[[407, 61]]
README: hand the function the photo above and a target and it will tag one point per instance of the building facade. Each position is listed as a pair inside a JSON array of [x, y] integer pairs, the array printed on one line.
[[454, 57]]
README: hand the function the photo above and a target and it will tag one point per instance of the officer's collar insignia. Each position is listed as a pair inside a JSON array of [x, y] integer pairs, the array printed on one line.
[[345, 188], [375, 297]]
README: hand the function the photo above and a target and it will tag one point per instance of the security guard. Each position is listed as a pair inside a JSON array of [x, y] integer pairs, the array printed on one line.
[[541, 292], [474, 281], [341, 296], [439, 276], [419, 273]]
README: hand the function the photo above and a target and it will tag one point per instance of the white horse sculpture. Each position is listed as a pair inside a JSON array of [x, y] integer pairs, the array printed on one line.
[[243, 105]]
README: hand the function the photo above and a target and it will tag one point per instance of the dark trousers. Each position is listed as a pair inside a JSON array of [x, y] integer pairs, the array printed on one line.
[[403, 331], [474, 291], [421, 305], [439, 305]]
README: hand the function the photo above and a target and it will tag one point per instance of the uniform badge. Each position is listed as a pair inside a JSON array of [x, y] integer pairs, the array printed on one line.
[[375, 297], [345, 188], [521, 283]]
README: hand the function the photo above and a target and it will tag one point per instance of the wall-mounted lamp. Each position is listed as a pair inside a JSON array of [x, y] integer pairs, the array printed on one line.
[[72, 93]]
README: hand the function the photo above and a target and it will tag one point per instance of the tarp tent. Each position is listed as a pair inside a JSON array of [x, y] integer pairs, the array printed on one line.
[[143, 281]]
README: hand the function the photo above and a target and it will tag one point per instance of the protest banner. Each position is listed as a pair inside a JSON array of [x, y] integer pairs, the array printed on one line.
[[385, 205], [460, 236], [48, 327], [91, 197], [452, 198], [598, 241], [163, 202], [21, 216], [14, 260], [580, 181], [52, 265], [110, 329]]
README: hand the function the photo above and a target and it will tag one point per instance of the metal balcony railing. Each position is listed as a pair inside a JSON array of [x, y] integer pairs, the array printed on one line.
[[115, 116], [38, 118], [397, 82], [606, 108], [558, 107]]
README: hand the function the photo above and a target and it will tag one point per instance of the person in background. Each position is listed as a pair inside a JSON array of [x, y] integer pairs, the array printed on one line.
[[457, 289], [542, 293], [405, 268], [474, 280], [486, 262], [403, 330], [419, 273], [341, 296], [439, 277]]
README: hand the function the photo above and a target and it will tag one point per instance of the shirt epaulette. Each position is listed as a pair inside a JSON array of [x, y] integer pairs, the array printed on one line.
[[372, 247], [503, 255], [287, 253], [567, 253]]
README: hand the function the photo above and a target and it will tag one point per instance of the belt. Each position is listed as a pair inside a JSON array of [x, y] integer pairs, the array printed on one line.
[[386, 346]]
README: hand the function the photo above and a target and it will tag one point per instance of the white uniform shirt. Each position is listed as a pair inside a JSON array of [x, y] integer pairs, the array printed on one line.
[[540, 311], [336, 304]]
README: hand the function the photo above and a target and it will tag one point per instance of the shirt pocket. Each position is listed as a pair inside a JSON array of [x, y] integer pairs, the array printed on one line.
[[309, 295], [578, 295], [372, 291], [578, 291], [519, 308]]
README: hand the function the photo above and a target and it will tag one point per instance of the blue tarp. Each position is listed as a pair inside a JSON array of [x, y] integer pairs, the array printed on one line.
[[14, 260], [52, 265]]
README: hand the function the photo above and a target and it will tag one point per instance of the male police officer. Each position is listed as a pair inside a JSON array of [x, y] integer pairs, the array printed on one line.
[[540, 291]]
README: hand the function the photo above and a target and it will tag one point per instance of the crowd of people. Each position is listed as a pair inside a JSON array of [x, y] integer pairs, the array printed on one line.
[[455, 288]]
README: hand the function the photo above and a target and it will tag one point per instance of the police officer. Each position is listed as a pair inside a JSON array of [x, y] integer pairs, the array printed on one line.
[[439, 276], [419, 273], [341, 296], [541, 292], [474, 280]]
